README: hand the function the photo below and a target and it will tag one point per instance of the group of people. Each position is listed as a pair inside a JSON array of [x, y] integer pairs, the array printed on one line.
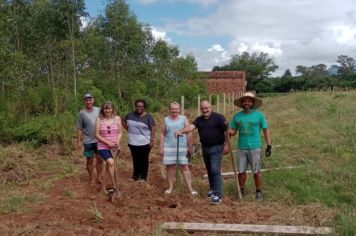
[[101, 132]]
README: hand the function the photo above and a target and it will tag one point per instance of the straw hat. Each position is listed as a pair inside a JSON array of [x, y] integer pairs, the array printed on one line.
[[257, 101]]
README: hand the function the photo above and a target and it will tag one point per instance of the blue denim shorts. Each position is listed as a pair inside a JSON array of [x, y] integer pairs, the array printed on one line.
[[105, 154], [90, 149]]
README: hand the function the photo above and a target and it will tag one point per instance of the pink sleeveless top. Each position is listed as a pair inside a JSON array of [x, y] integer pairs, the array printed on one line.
[[109, 132]]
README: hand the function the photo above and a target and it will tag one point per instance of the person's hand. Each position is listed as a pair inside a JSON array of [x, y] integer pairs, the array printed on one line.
[[78, 146], [226, 149], [152, 143], [112, 145], [190, 150], [177, 134], [268, 150]]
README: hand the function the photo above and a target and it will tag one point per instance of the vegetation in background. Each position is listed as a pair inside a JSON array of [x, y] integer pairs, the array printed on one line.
[[48, 60], [260, 66]]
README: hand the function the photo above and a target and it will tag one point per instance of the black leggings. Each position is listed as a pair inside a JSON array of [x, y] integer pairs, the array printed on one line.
[[140, 156]]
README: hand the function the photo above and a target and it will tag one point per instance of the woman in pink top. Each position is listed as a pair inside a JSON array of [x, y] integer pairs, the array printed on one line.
[[108, 131]]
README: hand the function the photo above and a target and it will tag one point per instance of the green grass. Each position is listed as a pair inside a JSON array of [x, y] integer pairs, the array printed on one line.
[[18, 203], [21, 164], [68, 193], [345, 222], [315, 131], [96, 214]]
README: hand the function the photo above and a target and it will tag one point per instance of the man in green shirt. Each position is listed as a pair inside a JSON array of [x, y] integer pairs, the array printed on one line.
[[248, 123]]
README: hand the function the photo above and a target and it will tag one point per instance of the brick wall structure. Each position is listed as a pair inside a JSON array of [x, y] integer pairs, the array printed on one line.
[[233, 82]]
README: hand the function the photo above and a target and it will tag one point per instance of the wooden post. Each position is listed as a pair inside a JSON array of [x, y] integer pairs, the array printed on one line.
[[217, 103], [224, 99], [229, 103], [182, 105], [232, 103], [210, 99], [198, 113], [248, 228]]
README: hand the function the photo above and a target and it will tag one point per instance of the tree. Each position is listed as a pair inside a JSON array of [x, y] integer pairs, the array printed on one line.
[[314, 77], [347, 66], [287, 73], [258, 67]]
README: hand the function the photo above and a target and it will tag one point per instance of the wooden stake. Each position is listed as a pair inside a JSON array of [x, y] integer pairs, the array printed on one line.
[[248, 228], [182, 105], [198, 113], [234, 167], [228, 174]]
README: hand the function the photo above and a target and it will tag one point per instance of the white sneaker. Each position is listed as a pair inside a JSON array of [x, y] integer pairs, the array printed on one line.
[[168, 191], [194, 193]]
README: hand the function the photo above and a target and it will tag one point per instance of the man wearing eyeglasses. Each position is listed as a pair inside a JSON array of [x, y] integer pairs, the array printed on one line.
[[86, 132]]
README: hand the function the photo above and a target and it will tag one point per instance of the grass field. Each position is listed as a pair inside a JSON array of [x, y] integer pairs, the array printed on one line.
[[313, 131]]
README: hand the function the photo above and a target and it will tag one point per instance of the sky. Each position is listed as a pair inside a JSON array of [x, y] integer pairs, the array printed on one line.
[[293, 32]]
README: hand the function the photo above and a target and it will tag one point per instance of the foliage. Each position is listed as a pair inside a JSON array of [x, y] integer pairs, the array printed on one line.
[[43, 129], [45, 70], [258, 67], [96, 214]]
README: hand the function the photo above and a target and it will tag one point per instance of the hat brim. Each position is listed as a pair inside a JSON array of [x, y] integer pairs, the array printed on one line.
[[257, 101]]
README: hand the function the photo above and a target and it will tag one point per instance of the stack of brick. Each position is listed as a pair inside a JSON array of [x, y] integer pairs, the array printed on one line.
[[233, 82]]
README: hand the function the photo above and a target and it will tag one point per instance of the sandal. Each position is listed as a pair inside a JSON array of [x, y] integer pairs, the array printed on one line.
[[111, 191]]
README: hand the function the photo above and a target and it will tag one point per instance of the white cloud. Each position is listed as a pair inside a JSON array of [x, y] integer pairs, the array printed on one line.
[[84, 21], [198, 2], [216, 47], [147, 1], [204, 2], [159, 34], [273, 50], [345, 34], [295, 32]]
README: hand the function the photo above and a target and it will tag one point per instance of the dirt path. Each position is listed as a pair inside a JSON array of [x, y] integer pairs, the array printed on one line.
[[142, 208]]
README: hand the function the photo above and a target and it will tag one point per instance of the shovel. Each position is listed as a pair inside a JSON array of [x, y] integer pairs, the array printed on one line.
[[117, 193], [234, 167], [177, 165]]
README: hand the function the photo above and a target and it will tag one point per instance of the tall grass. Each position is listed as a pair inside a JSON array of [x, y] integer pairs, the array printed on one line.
[[317, 132]]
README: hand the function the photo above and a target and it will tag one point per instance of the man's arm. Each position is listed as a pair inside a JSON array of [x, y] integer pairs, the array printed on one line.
[[232, 132], [267, 136], [189, 139], [185, 130]]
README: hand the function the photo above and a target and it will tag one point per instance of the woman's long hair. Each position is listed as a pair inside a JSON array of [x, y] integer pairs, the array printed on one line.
[[105, 105]]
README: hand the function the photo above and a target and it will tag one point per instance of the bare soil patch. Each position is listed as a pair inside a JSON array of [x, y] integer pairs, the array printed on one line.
[[143, 207]]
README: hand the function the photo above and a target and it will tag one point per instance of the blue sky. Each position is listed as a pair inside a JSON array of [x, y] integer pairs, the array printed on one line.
[[294, 32]]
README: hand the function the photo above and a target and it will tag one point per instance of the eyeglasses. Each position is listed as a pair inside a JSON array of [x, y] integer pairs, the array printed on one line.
[[109, 131]]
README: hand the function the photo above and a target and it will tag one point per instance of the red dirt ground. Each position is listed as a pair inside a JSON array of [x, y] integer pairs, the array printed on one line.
[[143, 207]]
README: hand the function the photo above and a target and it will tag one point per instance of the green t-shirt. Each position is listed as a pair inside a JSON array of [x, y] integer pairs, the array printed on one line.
[[249, 127]]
